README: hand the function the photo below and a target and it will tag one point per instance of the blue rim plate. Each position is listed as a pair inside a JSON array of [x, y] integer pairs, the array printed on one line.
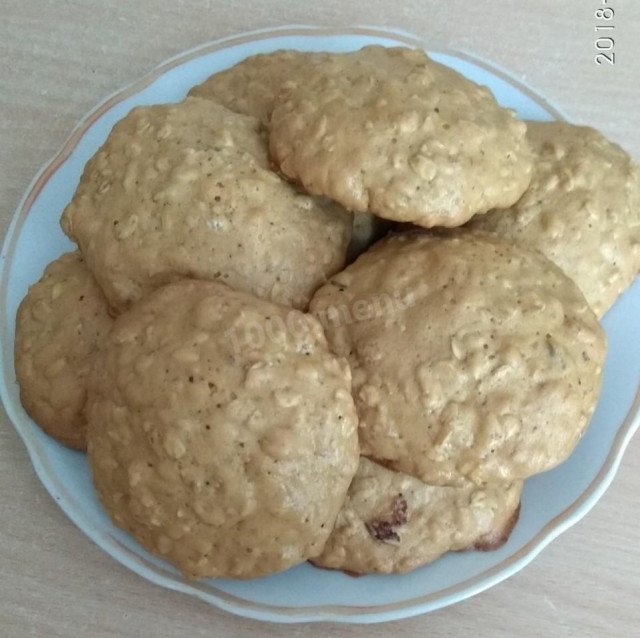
[[551, 502]]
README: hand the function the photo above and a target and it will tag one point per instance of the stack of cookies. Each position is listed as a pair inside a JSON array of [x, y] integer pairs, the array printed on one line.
[[330, 307]]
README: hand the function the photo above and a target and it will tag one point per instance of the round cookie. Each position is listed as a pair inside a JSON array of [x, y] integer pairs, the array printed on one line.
[[392, 523], [582, 209], [60, 326], [389, 131], [222, 432], [251, 86], [472, 358], [184, 190]]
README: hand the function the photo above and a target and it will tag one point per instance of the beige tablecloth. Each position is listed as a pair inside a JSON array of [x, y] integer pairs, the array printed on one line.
[[58, 58]]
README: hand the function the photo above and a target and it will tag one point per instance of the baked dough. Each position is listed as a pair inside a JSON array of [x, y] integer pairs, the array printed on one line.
[[582, 209], [60, 326], [472, 358], [184, 190], [389, 131], [222, 432], [251, 86], [391, 522]]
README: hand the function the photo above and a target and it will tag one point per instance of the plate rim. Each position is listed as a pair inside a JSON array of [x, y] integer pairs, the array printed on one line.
[[234, 604]]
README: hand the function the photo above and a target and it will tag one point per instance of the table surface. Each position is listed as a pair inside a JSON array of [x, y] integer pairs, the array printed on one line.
[[58, 59]]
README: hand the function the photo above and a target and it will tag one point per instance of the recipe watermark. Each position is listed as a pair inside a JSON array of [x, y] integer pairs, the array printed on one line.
[[605, 30], [253, 334]]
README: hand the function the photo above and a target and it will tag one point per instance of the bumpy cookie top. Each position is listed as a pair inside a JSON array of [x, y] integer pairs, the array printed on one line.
[[60, 325], [389, 131], [184, 190], [471, 357], [391, 522], [251, 86], [582, 209], [222, 432]]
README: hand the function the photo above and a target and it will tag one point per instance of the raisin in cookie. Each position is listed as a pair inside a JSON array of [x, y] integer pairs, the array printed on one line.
[[391, 522]]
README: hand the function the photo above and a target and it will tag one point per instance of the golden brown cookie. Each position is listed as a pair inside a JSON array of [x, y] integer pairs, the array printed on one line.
[[389, 131], [222, 432], [184, 190], [250, 87], [391, 522], [582, 209], [472, 358], [60, 325]]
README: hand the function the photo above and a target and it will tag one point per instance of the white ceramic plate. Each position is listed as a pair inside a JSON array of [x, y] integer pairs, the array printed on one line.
[[551, 502]]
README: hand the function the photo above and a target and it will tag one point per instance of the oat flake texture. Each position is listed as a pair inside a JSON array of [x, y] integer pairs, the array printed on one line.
[[60, 326], [472, 358], [251, 87], [391, 132], [582, 209], [227, 456], [185, 190], [435, 520]]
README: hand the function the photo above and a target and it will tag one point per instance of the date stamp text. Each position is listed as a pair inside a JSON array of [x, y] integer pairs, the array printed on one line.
[[605, 29]]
